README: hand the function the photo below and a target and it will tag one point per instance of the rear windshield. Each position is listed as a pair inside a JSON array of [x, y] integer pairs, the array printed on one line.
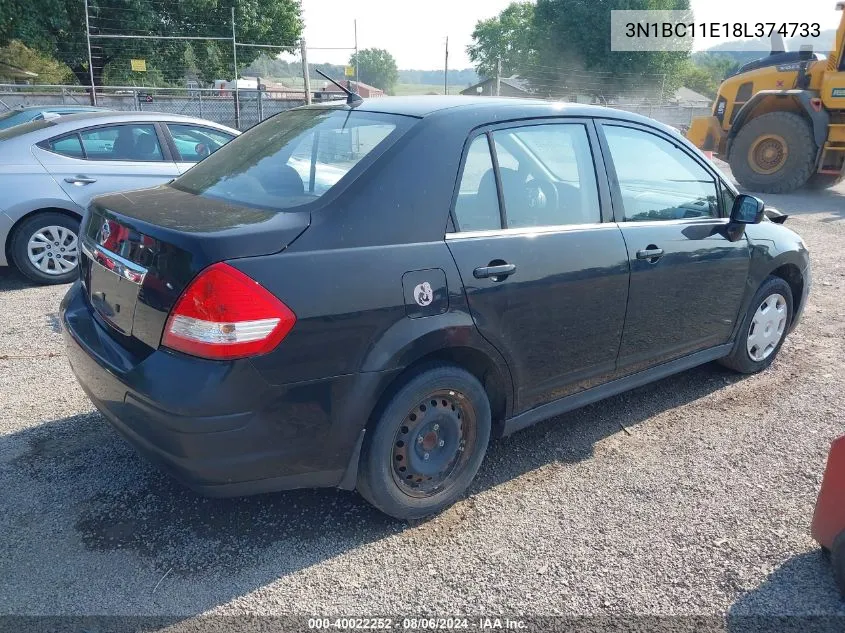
[[24, 128], [293, 158]]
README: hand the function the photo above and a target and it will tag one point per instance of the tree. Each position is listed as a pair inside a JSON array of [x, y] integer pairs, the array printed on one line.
[[574, 54], [376, 67], [49, 70], [508, 37], [57, 28]]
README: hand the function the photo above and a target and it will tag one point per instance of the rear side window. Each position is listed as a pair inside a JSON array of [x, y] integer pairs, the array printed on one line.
[[293, 158], [477, 206], [195, 142], [546, 174], [66, 146], [133, 142]]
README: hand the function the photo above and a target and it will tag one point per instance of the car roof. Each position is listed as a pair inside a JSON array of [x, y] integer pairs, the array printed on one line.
[[457, 105], [73, 121], [59, 108]]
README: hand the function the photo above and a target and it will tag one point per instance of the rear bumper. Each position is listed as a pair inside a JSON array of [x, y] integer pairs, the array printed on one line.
[[219, 427]]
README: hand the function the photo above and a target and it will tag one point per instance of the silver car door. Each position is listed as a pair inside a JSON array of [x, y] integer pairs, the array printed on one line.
[[106, 159]]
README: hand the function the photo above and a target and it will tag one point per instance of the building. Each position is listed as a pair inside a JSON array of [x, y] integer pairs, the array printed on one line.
[[359, 87], [13, 74], [690, 98], [513, 86]]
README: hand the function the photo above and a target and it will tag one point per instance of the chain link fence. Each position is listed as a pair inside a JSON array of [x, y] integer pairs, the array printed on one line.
[[244, 108], [239, 110]]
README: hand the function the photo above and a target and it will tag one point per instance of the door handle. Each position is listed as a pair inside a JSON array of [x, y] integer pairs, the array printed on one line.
[[80, 180], [500, 270], [651, 253]]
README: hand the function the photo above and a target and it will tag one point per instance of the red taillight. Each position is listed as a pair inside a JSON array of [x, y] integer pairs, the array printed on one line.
[[224, 314]]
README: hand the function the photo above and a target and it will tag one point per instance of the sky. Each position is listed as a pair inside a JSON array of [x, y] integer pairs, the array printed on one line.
[[415, 33]]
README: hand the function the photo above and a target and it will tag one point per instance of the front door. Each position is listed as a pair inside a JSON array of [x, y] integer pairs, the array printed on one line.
[[687, 278], [546, 280], [106, 159]]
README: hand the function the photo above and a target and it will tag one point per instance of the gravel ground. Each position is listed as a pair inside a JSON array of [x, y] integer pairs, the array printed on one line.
[[700, 505]]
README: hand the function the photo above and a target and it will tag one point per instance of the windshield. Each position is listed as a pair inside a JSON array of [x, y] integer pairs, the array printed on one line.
[[293, 158]]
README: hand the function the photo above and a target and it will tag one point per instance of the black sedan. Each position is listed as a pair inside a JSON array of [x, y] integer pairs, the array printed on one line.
[[362, 295]]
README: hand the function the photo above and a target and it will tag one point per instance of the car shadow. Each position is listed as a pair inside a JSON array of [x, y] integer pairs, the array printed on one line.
[[113, 502], [12, 279], [800, 591]]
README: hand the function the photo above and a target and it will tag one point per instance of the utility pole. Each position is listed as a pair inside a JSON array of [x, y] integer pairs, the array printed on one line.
[[499, 77], [446, 70], [305, 77], [357, 81], [90, 59], [235, 61]]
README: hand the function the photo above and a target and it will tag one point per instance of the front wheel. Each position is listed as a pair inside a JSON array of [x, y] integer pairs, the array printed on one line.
[[763, 329], [45, 248], [427, 444]]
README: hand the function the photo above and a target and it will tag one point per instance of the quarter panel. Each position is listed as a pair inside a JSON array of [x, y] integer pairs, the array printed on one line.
[[350, 308]]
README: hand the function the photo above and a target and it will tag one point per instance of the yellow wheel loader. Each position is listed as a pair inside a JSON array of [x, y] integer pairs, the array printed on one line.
[[780, 121]]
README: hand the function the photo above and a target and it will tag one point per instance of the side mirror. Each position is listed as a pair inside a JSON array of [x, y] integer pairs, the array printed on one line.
[[747, 210]]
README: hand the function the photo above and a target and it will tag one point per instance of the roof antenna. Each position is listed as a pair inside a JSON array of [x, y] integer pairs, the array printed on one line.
[[352, 98]]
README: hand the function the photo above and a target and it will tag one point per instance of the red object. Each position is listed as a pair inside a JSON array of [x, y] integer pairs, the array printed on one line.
[[225, 314], [829, 518]]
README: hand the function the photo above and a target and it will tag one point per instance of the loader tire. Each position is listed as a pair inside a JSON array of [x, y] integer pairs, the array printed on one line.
[[774, 153]]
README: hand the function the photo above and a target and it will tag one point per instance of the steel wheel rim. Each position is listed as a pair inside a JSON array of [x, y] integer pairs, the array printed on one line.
[[767, 327], [53, 250], [768, 154], [443, 427]]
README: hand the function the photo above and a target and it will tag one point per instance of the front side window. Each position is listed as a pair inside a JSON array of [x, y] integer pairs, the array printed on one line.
[[658, 180], [293, 158], [133, 142], [195, 142]]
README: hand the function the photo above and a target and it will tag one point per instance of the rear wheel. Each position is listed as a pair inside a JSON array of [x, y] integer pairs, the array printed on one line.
[[45, 248], [763, 329], [774, 153], [427, 444]]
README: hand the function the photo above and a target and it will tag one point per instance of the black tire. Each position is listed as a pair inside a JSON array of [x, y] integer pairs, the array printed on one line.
[[407, 420], [20, 246], [837, 559], [824, 181], [740, 359], [801, 153]]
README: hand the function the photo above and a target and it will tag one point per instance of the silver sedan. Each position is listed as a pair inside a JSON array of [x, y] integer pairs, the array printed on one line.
[[51, 169]]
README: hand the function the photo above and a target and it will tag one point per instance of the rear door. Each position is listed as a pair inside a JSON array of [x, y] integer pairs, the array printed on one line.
[[190, 143], [687, 278], [545, 277], [106, 159]]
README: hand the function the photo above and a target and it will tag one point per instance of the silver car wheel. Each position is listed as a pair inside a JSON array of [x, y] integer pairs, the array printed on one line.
[[53, 250], [767, 327]]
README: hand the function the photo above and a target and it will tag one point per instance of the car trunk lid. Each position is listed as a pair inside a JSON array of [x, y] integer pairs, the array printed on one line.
[[140, 250]]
